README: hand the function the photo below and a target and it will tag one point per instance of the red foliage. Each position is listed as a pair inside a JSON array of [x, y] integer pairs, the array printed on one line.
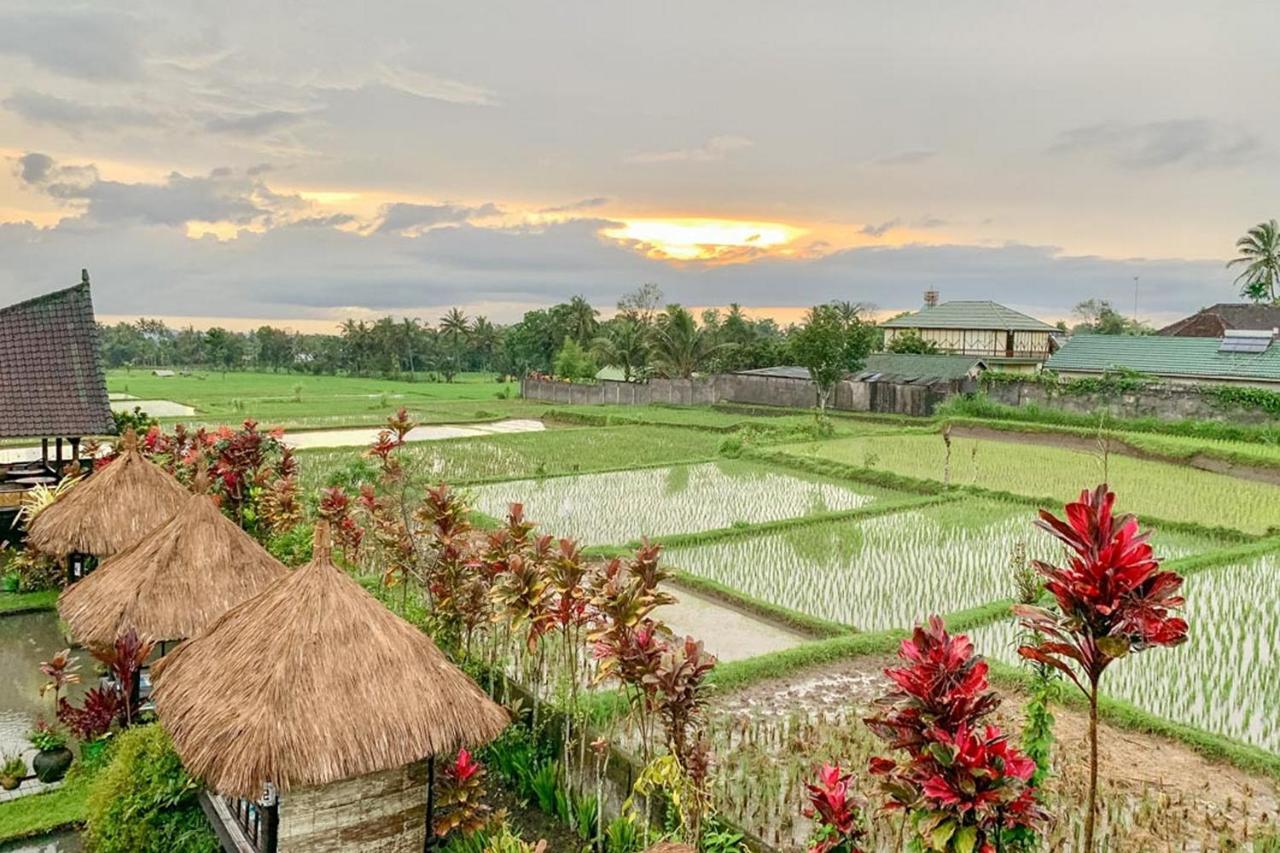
[[837, 811], [124, 659], [960, 779], [1112, 597], [336, 508], [98, 710]]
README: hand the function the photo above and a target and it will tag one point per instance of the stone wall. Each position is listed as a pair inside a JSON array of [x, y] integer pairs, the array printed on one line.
[[746, 389], [382, 812], [1166, 402]]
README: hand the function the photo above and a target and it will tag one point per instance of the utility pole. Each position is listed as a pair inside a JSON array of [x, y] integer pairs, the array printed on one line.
[[1135, 300]]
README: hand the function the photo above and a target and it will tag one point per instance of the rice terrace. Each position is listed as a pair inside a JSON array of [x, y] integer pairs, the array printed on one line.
[[579, 427]]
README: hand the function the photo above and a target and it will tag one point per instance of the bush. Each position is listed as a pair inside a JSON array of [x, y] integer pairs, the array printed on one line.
[[293, 547], [144, 801]]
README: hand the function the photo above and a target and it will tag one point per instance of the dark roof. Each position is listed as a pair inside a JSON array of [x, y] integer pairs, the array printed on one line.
[[1226, 316], [965, 314], [51, 377], [1183, 358], [904, 368], [920, 369]]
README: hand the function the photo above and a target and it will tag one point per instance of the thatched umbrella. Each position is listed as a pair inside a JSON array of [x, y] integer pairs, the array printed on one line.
[[311, 682], [174, 582], [113, 508]]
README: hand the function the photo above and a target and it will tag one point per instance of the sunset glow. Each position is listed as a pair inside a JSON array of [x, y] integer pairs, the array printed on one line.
[[705, 239]]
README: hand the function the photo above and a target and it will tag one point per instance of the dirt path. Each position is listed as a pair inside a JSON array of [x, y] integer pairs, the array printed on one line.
[[1200, 461]]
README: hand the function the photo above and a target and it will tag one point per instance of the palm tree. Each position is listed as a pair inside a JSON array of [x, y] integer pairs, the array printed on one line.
[[1260, 254], [484, 340], [454, 327], [624, 344], [679, 347], [581, 320]]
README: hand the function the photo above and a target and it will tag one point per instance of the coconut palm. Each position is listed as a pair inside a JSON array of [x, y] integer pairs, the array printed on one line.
[[1260, 255], [455, 329], [678, 347], [623, 344], [484, 340], [581, 323]]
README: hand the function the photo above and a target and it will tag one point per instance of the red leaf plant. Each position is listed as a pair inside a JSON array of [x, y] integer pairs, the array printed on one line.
[[335, 507], [1112, 600], [836, 810], [961, 782], [124, 660], [461, 793], [61, 672], [97, 711]]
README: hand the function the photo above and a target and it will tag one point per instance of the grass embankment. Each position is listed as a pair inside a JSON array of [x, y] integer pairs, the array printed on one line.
[[40, 814], [297, 401], [28, 602], [469, 461], [1150, 489]]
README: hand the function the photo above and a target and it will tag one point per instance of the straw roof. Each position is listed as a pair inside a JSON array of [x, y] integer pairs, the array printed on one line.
[[314, 681], [174, 582], [111, 509]]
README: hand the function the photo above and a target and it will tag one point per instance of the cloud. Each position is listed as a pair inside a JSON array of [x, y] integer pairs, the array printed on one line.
[[1198, 143], [43, 108], [907, 157], [582, 204], [86, 44], [403, 217], [715, 148], [252, 124], [34, 168], [424, 84], [881, 229]]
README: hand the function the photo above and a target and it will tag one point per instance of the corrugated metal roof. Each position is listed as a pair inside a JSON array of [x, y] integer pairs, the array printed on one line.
[[51, 377], [1196, 358], [920, 369], [780, 372], [979, 315]]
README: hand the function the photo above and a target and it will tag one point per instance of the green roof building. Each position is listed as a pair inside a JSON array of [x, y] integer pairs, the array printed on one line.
[[1243, 358], [1000, 336]]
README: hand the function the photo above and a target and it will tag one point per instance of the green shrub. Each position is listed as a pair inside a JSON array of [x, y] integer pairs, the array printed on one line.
[[293, 547], [144, 801]]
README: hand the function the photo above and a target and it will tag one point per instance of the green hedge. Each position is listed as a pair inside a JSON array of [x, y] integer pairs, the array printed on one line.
[[144, 801]]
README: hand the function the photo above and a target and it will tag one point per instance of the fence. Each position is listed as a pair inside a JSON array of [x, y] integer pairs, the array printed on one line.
[[748, 389]]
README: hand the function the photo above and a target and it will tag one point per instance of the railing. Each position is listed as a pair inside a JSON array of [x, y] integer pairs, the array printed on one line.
[[258, 820]]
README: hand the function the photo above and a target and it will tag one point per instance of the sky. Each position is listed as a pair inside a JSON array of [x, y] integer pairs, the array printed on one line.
[[302, 162]]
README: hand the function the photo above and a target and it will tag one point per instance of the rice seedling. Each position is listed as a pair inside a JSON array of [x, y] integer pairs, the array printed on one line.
[[890, 571], [537, 454], [623, 506], [1157, 489], [1225, 679]]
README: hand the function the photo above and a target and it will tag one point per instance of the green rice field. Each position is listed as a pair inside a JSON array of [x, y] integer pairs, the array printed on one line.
[[893, 570], [1159, 489], [622, 506], [1225, 679]]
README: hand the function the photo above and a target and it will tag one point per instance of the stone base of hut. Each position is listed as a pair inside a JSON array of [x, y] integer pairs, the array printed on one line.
[[382, 812]]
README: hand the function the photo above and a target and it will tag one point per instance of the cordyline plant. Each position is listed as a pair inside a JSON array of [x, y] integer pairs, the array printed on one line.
[[461, 797], [61, 670], [1112, 600], [336, 508], [961, 782], [836, 810], [124, 660], [387, 509]]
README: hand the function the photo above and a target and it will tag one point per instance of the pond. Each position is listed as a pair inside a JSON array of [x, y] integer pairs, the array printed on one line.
[[26, 640], [58, 842]]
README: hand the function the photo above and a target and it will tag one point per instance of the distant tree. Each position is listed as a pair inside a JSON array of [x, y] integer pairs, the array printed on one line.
[[275, 348], [911, 342], [225, 348], [642, 303], [1099, 318], [830, 346], [485, 338], [678, 347], [581, 323], [573, 363], [1260, 256], [188, 347], [623, 343], [455, 330]]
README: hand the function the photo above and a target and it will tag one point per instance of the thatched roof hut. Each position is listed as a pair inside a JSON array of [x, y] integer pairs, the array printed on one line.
[[174, 582], [312, 682], [111, 509]]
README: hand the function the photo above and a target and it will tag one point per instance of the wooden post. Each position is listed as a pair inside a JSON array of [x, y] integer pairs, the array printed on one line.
[[58, 445], [429, 840], [44, 451]]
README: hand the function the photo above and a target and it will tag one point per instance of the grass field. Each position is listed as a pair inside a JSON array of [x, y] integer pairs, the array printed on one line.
[[1162, 490], [302, 401]]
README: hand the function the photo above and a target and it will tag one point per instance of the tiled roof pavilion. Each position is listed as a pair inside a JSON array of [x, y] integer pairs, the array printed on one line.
[[51, 379]]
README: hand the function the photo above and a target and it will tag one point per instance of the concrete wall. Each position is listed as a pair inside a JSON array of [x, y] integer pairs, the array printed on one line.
[[745, 389], [383, 812], [1167, 402]]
